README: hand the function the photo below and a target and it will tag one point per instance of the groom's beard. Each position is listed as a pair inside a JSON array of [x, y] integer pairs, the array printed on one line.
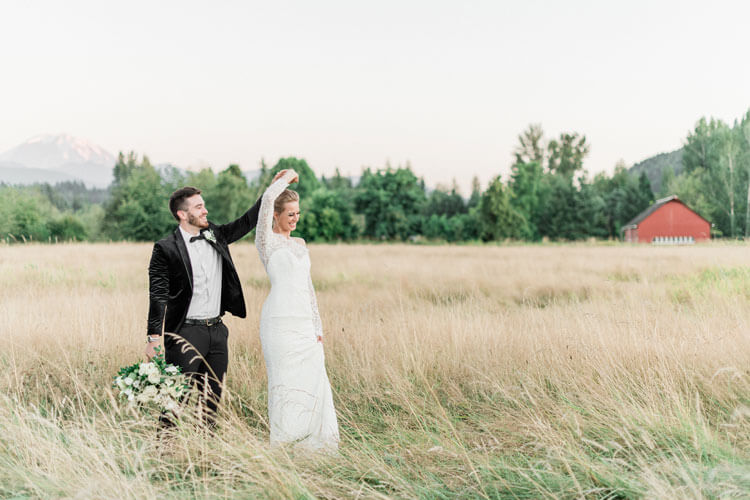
[[197, 222]]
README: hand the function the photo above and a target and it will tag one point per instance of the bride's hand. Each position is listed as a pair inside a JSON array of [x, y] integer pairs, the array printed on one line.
[[278, 176], [282, 173]]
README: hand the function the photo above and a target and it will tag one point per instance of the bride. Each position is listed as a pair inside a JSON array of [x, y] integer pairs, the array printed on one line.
[[300, 403]]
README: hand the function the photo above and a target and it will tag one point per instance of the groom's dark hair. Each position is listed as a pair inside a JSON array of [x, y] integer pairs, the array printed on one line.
[[177, 200]]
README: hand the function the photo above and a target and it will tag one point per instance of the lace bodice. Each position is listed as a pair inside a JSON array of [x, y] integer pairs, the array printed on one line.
[[287, 264]]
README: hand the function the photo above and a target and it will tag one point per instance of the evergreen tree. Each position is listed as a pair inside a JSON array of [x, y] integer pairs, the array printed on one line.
[[327, 216], [391, 201], [566, 154], [443, 201], [139, 207], [230, 197], [497, 217], [525, 181], [531, 147]]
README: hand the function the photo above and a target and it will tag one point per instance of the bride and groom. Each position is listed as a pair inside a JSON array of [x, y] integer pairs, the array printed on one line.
[[193, 282]]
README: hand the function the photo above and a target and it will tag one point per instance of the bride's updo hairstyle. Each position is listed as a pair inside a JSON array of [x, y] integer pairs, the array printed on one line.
[[285, 197]]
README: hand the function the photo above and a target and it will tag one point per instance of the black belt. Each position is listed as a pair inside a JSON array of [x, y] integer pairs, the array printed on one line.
[[203, 322]]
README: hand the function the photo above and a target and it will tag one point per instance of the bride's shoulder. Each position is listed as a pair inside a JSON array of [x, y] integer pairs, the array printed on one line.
[[301, 241]]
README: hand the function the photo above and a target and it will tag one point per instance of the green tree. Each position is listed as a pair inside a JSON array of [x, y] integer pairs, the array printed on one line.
[[566, 155], [525, 181], [667, 181], [26, 214], [308, 182], [556, 214], [124, 167], [744, 160], [327, 216], [690, 189], [391, 201], [531, 148], [444, 201], [497, 217], [476, 194], [229, 196], [67, 227], [337, 182], [138, 209], [713, 152], [624, 196]]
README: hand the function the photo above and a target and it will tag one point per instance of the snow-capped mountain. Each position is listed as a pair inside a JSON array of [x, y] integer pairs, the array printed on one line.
[[63, 153]]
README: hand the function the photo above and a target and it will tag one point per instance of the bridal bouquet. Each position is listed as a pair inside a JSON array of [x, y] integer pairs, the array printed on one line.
[[152, 383]]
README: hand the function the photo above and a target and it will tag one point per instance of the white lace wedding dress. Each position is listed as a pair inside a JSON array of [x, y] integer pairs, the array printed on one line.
[[300, 403]]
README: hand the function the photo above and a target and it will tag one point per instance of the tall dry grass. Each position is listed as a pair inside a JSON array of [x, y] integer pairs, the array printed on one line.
[[471, 372]]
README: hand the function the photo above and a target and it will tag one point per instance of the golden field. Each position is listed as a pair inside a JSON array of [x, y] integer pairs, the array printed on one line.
[[548, 371]]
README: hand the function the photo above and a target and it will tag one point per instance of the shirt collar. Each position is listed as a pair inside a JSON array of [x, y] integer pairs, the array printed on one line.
[[185, 235]]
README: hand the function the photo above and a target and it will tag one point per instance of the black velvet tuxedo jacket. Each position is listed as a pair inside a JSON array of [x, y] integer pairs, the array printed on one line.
[[171, 275]]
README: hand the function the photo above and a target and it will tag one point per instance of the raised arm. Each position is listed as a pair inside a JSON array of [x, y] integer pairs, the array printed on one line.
[[238, 228], [265, 217]]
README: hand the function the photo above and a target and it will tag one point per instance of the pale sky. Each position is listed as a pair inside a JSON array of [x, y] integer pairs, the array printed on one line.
[[445, 85]]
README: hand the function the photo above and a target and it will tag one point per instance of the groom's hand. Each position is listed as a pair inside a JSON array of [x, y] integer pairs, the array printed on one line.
[[151, 349]]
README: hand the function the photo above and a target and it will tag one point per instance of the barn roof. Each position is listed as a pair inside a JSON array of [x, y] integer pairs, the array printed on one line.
[[653, 208]]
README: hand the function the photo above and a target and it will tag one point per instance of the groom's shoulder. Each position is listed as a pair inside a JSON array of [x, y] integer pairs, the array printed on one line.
[[167, 241]]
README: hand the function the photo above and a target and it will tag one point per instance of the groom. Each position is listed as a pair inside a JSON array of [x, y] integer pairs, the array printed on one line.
[[192, 283]]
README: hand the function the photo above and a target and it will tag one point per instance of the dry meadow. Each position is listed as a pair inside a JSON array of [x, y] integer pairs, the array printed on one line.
[[549, 371]]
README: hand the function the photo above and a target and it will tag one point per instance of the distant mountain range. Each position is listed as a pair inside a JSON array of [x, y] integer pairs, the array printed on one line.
[[57, 158], [62, 157]]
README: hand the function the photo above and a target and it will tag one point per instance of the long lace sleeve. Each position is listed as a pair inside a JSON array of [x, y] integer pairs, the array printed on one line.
[[265, 217], [314, 306]]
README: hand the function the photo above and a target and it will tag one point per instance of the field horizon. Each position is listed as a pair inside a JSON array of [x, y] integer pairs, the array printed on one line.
[[583, 370]]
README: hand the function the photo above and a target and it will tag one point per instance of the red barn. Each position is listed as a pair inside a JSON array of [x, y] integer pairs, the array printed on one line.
[[668, 221]]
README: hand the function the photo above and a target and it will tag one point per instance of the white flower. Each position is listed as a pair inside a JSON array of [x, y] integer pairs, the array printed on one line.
[[169, 404], [169, 382], [137, 384], [148, 394], [209, 235], [128, 380], [171, 369], [154, 378], [131, 397], [145, 368]]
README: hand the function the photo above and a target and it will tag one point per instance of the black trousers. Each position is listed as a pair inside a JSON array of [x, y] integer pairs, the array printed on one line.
[[201, 352]]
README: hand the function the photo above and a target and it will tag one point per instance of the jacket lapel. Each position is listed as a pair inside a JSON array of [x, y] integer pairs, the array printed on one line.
[[182, 249], [219, 247]]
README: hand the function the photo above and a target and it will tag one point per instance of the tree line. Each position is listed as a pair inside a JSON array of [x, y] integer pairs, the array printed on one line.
[[716, 177], [548, 195]]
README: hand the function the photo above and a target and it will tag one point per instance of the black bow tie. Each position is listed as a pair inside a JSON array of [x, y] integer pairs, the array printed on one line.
[[195, 238]]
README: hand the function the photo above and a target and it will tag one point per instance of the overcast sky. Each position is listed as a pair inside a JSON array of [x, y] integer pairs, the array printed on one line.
[[445, 85]]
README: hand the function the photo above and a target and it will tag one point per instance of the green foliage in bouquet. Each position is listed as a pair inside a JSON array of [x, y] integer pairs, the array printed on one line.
[[153, 383]]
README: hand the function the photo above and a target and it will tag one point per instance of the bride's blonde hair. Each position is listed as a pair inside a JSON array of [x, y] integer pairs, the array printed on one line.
[[285, 197]]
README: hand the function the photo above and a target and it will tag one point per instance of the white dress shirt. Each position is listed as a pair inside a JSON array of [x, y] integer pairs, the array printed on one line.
[[206, 263]]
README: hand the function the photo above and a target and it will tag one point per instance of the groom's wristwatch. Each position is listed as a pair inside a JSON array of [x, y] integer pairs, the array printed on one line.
[[153, 338]]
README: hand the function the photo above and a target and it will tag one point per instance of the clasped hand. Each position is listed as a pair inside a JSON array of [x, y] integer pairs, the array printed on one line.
[[283, 172]]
